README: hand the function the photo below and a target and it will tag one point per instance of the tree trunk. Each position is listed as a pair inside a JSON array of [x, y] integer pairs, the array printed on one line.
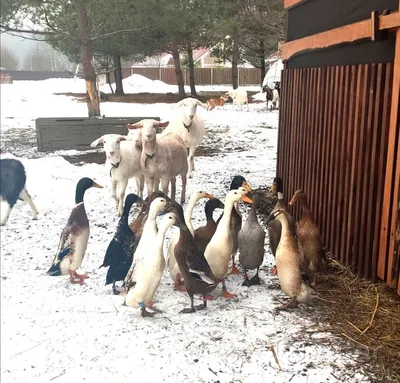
[[178, 70], [109, 82], [235, 61], [191, 70], [262, 60], [118, 75], [86, 49]]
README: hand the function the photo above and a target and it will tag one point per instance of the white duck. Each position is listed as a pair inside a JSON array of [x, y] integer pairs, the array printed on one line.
[[171, 261], [150, 269], [149, 234], [219, 249]]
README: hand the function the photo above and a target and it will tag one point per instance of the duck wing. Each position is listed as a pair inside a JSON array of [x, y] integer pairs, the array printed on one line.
[[199, 267], [65, 248]]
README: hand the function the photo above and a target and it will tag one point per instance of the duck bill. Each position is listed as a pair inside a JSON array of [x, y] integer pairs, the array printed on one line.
[[247, 187], [292, 201], [270, 218], [181, 226], [246, 199], [273, 188], [210, 196], [96, 185]]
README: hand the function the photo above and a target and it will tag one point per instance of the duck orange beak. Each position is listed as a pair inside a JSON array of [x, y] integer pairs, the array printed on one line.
[[246, 199], [247, 187], [292, 201], [96, 185], [210, 196], [273, 188]]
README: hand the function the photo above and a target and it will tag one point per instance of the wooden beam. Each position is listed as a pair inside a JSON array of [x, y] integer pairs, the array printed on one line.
[[374, 26], [386, 248], [292, 3], [345, 34]]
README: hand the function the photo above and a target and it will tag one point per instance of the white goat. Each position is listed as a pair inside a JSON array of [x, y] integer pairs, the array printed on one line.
[[163, 157], [189, 126], [239, 97], [122, 163]]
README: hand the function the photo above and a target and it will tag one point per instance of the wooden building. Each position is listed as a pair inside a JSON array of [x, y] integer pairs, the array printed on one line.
[[339, 127]]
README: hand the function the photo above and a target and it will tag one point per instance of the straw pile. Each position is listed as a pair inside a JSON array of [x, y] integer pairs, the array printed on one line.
[[365, 313]]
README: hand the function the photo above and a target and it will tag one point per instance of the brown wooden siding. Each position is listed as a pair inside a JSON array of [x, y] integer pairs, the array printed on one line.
[[332, 144]]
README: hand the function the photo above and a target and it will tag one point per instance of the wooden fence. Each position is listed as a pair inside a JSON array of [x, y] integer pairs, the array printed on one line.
[[203, 76], [339, 128], [333, 143]]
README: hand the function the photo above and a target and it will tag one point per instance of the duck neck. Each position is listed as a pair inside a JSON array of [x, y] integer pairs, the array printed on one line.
[[159, 242], [125, 214], [280, 196], [305, 207], [184, 236], [151, 219], [188, 215], [79, 194], [226, 218], [209, 213], [253, 213]]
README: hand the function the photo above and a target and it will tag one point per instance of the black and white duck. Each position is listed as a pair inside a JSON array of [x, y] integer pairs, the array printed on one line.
[[119, 254]]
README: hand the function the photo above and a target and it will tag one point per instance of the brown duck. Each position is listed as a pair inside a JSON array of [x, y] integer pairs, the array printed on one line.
[[274, 227], [236, 219], [203, 235], [309, 238], [193, 266], [288, 262]]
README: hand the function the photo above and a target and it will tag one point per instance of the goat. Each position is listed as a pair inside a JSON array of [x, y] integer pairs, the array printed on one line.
[[214, 102], [163, 157], [271, 95], [123, 162], [189, 126], [12, 187], [239, 97]]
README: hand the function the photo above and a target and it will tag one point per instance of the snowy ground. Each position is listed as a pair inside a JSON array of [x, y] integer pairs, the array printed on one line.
[[52, 330]]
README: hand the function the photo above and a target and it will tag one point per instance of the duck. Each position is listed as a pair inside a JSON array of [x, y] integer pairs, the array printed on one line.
[[171, 261], [149, 234], [251, 240], [74, 238], [138, 224], [309, 238], [236, 218], [119, 254], [219, 250], [274, 227], [194, 268], [150, 268], [288, 262], [203, 234]]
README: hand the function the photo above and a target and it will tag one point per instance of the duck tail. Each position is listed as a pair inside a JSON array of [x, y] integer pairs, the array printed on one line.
[[54, 270]]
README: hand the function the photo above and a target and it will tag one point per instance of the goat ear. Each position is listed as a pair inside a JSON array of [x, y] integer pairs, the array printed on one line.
[[180, 103], [163, 124], [122, 138], [138, 125], [96, 142]]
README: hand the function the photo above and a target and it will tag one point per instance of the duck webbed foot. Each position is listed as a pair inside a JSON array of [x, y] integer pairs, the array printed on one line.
[[226, 294], [314, 281], [274, 271], [255, 280], [75, 278], [118, 290], [246, 280], [292, 303], [234, 269], [191, 309], [203, 305], [146, 313]]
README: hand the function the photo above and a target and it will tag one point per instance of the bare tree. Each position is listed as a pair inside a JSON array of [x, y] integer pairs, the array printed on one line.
[[8, 59]]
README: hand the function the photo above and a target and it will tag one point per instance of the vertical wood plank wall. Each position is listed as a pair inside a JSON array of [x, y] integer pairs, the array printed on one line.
[[332, 144]]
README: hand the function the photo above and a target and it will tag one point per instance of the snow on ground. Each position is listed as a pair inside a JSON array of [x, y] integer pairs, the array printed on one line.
[[52, 330]]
